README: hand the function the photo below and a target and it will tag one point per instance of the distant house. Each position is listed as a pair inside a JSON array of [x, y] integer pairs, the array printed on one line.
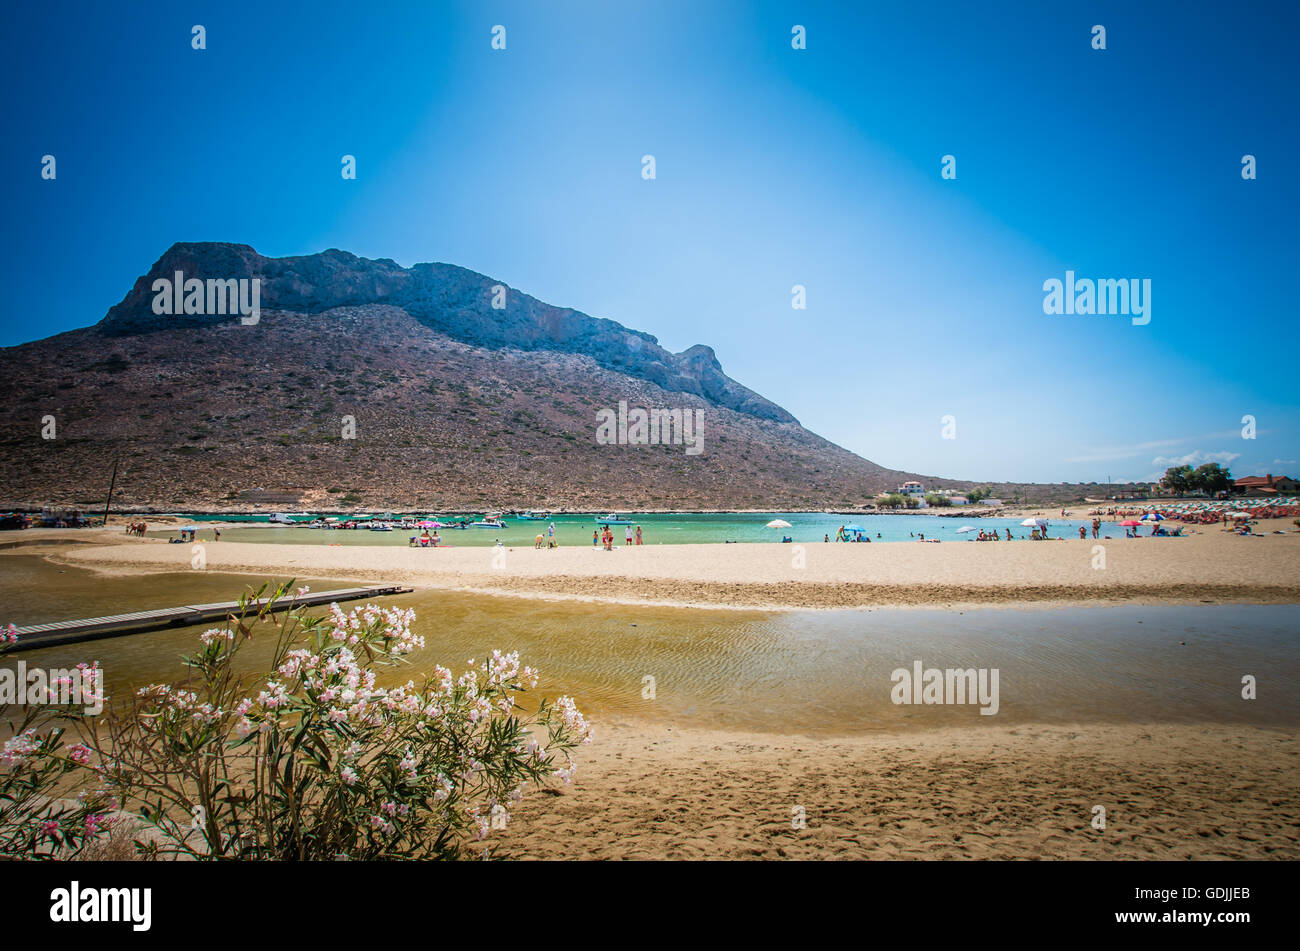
[[913, 490], [958, 500], [1265, 485], [990, 501]]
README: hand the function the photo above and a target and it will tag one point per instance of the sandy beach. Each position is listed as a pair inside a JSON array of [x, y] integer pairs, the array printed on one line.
[[1169, 792], [656, 789], [1206, 566]]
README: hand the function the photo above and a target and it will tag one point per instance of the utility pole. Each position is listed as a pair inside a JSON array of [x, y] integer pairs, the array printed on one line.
[[111, 482]]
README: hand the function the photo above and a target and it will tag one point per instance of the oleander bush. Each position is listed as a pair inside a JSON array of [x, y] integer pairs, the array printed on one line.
[[312, 760], [37, 767]]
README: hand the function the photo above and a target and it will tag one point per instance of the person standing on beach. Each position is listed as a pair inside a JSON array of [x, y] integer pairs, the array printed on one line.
[[1083, 534], [216, 534], [1096, 527], [638, 534], [627, 536], [595, 539]]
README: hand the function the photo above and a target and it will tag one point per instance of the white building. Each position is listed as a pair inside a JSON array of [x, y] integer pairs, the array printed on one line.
[[913, 490]]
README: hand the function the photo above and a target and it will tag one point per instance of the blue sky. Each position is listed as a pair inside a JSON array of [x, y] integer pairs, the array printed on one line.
[[775, 167]]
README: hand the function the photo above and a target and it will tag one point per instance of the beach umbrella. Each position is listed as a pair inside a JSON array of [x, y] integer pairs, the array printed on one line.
[[427, 524], [967, 528], [1031, 522], [854, 528], [1237, 515], [1153, 517], [778, 523], [1129, 523]]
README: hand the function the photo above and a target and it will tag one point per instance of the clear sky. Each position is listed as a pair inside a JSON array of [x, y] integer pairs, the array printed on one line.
[[775, 167]]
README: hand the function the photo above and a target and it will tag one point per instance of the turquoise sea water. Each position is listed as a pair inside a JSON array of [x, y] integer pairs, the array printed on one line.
[[666, 529]]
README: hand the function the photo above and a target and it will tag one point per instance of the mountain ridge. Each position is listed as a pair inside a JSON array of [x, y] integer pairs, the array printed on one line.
[[365, 384], [447, 298]]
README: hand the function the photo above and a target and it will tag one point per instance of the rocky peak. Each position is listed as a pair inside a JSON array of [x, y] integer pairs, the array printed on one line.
[[449, 299]]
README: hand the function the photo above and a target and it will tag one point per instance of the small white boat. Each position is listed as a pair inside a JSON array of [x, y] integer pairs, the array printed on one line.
[[489, 523], [279, 518], [613, 519]]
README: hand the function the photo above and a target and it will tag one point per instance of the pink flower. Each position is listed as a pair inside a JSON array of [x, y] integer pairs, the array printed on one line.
[[79, 753], [215, 634], [21, 746]]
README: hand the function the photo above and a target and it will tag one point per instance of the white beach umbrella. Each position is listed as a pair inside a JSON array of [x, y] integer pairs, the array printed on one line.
[[1031, 522], [778, 523], [967, 528]]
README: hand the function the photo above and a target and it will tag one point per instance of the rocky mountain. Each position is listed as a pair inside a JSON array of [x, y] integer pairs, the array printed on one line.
[[445, 298], [366, 385]]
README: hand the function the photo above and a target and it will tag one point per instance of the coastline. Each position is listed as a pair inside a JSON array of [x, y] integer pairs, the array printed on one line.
[[1205, 566], [166, 517]]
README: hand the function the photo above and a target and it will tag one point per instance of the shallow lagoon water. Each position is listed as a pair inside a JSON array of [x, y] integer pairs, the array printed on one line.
[[819, 673]]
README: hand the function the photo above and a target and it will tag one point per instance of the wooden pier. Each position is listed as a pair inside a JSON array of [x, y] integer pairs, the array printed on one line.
[[89, 629]]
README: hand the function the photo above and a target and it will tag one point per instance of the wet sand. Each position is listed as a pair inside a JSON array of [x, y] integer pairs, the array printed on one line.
[[1209, 565], [1026, 792]]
